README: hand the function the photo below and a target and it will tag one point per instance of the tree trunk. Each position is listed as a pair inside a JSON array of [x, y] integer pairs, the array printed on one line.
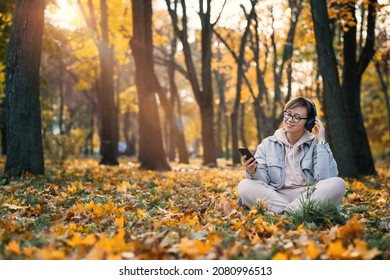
[[384, 86], [203, 89], [6, 9], [242, 125], [333, 102], [24, 138], [240, 73], [107, 108], [352, 77], [222, 119], [207, 107], [177, 138], [3, 127], [127, 119], [109, 127], [132, 140], [151, 150]]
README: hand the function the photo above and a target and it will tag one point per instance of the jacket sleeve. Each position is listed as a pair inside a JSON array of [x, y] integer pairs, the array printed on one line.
[[325, 165], [261, 172]]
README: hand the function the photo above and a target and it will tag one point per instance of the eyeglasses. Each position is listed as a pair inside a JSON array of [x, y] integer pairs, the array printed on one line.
[[294, 118]]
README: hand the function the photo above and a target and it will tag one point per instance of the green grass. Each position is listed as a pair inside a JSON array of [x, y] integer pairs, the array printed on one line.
[[316, 215]]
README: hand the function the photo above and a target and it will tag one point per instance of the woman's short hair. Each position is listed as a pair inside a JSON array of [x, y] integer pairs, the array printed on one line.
[[300, 102]]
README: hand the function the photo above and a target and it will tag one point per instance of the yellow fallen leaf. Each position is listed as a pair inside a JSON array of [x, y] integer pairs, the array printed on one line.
[[300, 228], [76, 240], [280, 256], [89, 207], [351, 230], [186, 246], [96, 253], [335, 249], [89, 240], [361, 250], [312, 250], [120, 222], [98, 212], [50, 253], [13, 247], [29, 251]]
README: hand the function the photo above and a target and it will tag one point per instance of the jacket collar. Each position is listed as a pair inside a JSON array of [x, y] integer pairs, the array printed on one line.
[[280, 137]]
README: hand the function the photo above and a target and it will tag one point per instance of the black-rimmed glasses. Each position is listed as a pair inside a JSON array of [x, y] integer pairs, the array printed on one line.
[[294, 118]]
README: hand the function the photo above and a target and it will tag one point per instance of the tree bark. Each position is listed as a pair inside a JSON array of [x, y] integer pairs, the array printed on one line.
[[107, 108], [240, 73], [176, 129], [384, 84], [3, 127], [202, 89], [222, 119], [338, 129], [24, 138], [151, 150], [353, 70], [109, 130]]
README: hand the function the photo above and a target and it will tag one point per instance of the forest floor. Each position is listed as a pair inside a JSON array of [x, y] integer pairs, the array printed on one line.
[[80, 210]]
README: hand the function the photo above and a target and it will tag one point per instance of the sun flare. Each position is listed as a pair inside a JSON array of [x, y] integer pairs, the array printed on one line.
[[64, 15]]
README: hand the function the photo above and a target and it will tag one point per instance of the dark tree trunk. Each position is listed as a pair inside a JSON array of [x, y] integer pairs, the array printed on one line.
[[242, 125], [127, 118], [240, 73], [107, 108], [174, 122], [202, 88], [24, 138], [220, 90], [207, 107], [177, 138], [222, 119], [131, 140], [352, 77], [151, 150], [62, 98], [109, 127], [88, 145], [6, 9], [384, 84], [333, 101], [3, 127]]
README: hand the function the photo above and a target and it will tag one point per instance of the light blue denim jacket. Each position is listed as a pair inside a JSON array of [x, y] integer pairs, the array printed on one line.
[[316, 162]]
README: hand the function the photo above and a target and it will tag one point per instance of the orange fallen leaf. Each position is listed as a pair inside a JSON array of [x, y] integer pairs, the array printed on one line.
[[336, 249], [312, 250], [280, 256], [13, 247]]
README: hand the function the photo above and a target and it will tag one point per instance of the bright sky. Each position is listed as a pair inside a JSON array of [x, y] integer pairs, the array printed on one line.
[[67, 15]]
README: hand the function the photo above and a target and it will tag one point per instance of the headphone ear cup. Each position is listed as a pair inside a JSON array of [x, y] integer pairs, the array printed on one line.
[[310, 123]]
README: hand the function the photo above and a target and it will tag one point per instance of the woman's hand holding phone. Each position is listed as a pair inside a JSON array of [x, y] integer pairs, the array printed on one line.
[[248, 160]]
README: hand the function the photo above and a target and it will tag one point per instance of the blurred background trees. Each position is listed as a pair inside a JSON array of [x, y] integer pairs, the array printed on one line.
[[222, 72]]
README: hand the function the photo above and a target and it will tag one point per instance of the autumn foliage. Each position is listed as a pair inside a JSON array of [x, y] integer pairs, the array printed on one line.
[[81, 210]]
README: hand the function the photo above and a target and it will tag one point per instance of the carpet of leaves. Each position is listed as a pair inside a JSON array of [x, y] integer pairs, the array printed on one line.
[[80, 210]]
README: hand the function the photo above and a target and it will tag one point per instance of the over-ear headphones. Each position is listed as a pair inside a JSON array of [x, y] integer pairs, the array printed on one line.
[[310, 122]]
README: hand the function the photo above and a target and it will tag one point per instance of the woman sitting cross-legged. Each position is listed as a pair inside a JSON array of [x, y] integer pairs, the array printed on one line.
[[291, 163]]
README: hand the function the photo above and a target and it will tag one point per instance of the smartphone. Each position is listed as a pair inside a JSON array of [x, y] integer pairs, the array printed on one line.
[[245, 152]]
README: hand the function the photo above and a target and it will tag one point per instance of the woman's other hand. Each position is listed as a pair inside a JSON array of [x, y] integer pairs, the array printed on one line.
[[319, 131]]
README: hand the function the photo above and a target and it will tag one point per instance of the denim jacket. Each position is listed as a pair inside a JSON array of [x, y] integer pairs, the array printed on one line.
[[316, 162]]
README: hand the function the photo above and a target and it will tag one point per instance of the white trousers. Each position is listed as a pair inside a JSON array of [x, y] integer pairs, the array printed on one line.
[[330, 190]]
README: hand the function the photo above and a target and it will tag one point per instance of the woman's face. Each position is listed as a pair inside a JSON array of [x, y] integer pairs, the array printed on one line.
[[291, 125]]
